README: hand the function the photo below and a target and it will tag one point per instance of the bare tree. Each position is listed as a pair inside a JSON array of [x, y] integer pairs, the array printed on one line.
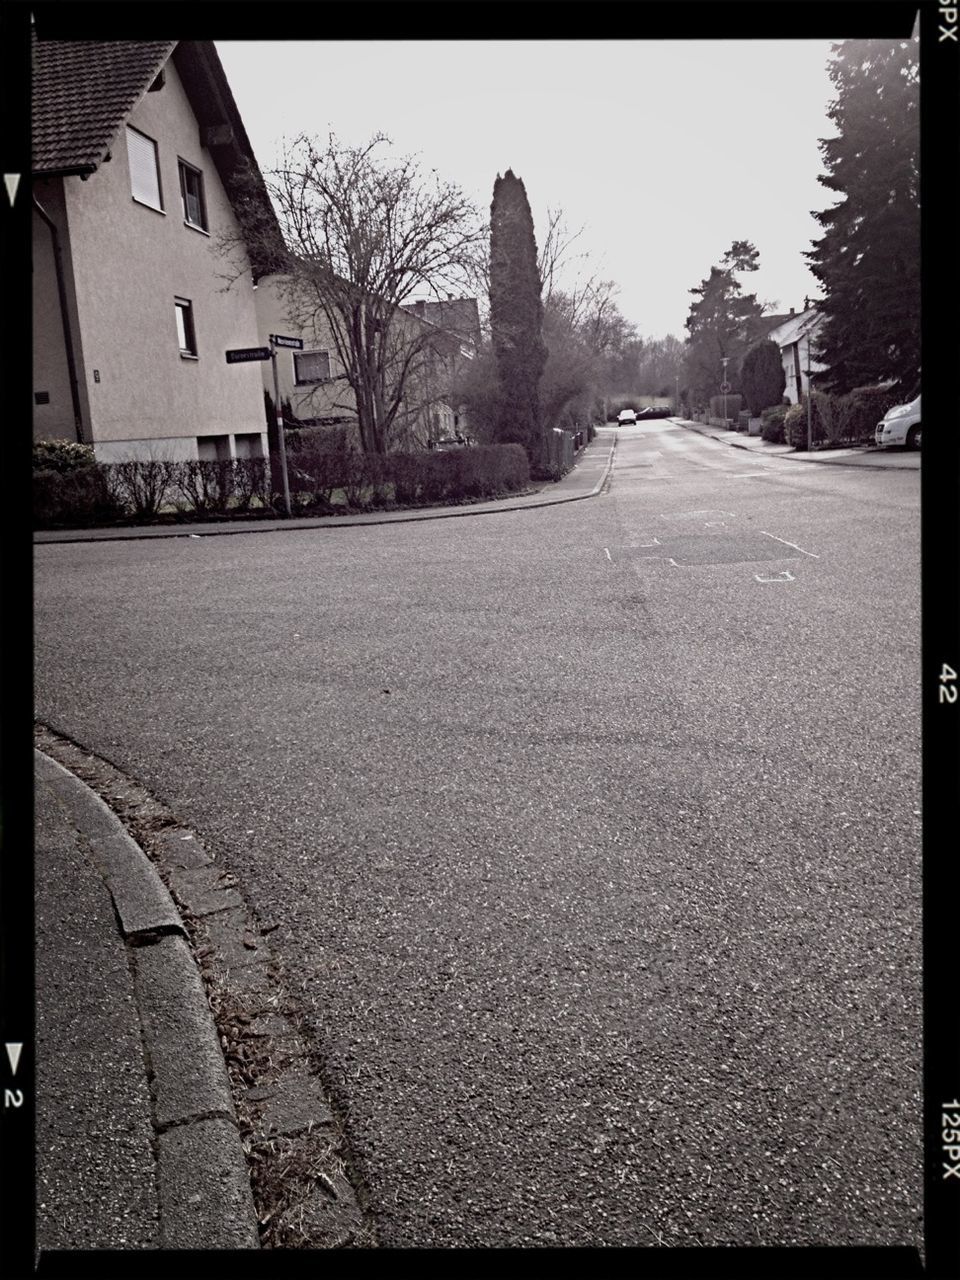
[[363, 234]]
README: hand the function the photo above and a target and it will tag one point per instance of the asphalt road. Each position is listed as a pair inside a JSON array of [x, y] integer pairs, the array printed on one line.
[[592, 834]]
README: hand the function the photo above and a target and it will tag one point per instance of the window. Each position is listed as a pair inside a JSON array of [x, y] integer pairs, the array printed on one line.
[[185, 330], [144, 169], [311, 366], [191, 194]]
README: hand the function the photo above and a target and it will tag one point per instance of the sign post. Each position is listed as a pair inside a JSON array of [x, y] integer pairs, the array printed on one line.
[[283, 443], [296, 344], [245, 355]]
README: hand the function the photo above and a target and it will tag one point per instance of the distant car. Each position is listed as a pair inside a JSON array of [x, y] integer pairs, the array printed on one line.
[[625, 416], [900, 426]]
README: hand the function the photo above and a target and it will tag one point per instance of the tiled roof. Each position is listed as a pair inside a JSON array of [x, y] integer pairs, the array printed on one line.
[[456, 315], [82, 90]]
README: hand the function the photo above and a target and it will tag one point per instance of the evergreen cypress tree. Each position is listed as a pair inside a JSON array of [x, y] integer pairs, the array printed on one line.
[[516, 316], [868, 260], [762, 379]]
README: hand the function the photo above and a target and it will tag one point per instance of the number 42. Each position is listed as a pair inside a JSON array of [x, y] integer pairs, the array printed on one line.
[[948, 689]]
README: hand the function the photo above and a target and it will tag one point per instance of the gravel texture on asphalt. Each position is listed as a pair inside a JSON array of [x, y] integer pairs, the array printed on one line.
[[596, 876]]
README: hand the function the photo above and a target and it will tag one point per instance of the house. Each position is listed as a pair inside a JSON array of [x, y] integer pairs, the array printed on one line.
[[314, 383], [137, 148], [794, 336]]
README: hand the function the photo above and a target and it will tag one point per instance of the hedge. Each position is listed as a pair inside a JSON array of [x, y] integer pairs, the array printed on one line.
[[80, 496], [734, 403], [838, 420], [140, 490]]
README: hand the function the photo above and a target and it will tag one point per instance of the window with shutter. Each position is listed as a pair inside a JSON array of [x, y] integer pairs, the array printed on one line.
[[191, 192], [311, 366], [144, 169]]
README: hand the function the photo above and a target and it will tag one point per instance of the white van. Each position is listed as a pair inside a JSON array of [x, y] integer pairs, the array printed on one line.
[[900, 426]]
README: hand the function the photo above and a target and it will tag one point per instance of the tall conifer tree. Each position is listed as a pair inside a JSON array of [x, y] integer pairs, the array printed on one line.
[[721, 323], [516, 315], [868, 260]]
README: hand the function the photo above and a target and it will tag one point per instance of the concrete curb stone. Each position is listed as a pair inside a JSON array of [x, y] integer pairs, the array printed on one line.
[[205, 1198], [142, 902], [203, 1183], [848, 458], [175, 1014]]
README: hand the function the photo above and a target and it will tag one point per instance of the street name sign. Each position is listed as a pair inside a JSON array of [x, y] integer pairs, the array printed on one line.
[[242, 354], [278, 341]]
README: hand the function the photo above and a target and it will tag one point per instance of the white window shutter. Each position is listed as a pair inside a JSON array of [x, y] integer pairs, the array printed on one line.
[[144, 172]]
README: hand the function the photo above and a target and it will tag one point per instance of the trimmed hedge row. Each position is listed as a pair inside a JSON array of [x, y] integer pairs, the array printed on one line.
[[837, 420], [87, 492], [455, 475]]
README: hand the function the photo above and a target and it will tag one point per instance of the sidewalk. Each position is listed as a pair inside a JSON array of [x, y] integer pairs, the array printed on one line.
[[585, 480], [136, 1139], [857, 456]]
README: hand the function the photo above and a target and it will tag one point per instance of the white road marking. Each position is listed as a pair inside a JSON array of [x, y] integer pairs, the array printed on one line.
[[654, 543], [743, 475], [785, 576], [606, 551], [790, 544]]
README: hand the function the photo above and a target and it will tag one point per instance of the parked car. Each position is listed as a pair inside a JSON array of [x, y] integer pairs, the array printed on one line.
[[901, 426], [625, 416]]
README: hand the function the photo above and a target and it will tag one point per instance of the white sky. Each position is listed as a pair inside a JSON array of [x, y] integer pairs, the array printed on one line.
[[664, 151]]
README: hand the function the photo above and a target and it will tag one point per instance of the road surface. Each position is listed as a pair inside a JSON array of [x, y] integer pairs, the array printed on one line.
[[591, 833]]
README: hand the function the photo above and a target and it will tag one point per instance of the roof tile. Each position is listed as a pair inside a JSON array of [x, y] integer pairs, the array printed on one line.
[[82, 90]]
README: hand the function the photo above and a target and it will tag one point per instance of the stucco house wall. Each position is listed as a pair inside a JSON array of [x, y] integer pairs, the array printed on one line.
[[794, 337], [126, 263], [54, 416], [333, 400], [324, 400]]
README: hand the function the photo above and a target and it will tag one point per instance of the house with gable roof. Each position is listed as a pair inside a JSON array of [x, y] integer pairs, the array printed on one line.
[[137, 151], [435, 337], [796, 336]]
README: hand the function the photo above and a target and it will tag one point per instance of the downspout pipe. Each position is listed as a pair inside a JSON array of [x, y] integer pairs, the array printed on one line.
[[65, 317]]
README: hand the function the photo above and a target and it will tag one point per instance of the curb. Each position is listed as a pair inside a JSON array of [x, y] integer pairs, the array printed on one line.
[[792, 457], [333, 522], [205, 1198]]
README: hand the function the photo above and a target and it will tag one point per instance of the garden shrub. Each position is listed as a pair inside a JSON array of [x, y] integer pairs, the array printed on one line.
[[825, 419], [62, 456], [864, 407], [251, 483], [772, 420], [80, 496], [205, 486], [140, 487]]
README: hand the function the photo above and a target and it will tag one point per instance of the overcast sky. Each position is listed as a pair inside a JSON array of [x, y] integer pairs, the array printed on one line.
[[664, 151]]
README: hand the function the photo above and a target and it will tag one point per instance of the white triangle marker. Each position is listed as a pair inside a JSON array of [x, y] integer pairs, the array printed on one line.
[[12, 181], [13, 1053]]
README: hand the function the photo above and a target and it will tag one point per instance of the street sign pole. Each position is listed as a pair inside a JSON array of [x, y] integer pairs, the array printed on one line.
[[283, 445]]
